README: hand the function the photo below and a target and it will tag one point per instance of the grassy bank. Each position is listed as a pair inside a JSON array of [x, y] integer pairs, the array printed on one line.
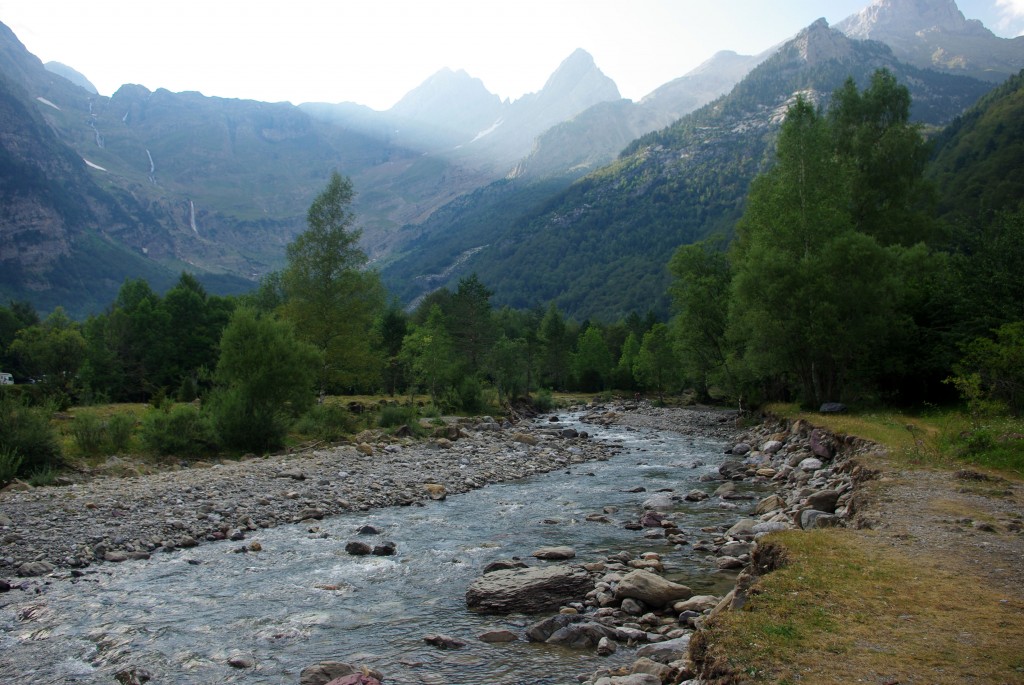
[[885, 606]]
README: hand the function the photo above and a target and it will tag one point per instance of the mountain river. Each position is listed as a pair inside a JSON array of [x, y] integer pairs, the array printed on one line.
[[303, 599]]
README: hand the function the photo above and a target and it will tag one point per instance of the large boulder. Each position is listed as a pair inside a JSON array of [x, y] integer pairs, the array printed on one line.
[[651, 589], [528, 590], [574, 631]]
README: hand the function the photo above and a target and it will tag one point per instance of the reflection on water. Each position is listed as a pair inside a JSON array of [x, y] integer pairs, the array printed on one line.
[[302, 599]]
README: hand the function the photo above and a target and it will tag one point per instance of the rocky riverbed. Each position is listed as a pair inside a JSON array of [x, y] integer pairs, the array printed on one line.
[[55, 531], [115, 519]]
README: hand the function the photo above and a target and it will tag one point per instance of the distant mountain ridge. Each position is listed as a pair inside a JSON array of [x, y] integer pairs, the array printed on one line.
[[935, 34], [599, 248], [452, 179]]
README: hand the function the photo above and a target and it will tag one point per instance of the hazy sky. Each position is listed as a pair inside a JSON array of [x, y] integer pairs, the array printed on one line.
[[374, 51]]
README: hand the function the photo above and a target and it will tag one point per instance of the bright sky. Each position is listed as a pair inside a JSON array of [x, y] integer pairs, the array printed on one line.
[[374, 51]]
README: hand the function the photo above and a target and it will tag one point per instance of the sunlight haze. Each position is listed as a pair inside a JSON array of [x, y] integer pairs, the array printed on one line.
[[374, 53]]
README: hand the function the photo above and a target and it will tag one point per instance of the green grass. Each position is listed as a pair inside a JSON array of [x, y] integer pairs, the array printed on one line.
[[940, 438], [848, 608]]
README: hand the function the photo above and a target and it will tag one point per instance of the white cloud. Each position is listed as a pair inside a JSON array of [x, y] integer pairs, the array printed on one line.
[[1012, 12]]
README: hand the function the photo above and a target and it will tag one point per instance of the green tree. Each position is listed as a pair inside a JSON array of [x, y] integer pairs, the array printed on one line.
[[510, 367], [556, 349], [813, 299], [429, 355], [592, 362], [471, 324], [265, 377], [53, 350], [330, 297], [624, 378], [997, 366], [700, 301], [392, 327], [656, 364]]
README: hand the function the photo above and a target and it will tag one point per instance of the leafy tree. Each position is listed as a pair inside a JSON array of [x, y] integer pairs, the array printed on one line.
[[53, 350], [470, 323], [330, 298], [265, 378], [995, 366], [556, 349], [592, 362], [392, 327], [656, 365], [624, 378], [198, 321], [430, 356], [700, 300], [886, 154], [812, 298], [510, 367]]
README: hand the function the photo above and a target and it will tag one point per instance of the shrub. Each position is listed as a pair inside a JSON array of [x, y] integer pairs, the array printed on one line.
[[181, 431], [470, 395], [88, 432], [26, 432], [327, 422], [241, 424], [543, 401], [10, 462], [392, 416], [119, 431]]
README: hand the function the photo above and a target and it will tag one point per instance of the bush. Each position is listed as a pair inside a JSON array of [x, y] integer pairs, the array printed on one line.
[[470, 395], [88, 432], [181, 431], [10, 462], [26, 433], [543, 402], [119, 431], [240, 424], [328, 422], [392, 416]]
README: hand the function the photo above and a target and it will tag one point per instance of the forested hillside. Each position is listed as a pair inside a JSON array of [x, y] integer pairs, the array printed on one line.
[[600, 248]]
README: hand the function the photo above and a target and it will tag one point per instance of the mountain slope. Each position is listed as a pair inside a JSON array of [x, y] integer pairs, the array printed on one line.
[[979, 159], [599, 249]]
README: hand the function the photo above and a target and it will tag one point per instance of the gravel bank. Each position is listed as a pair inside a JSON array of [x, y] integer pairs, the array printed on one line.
[[110, 519]]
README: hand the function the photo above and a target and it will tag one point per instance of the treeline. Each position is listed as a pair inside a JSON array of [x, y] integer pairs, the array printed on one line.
[[844, 284], [321, 326]]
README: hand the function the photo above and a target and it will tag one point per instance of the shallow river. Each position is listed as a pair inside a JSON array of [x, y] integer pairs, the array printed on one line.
[[302, 599]]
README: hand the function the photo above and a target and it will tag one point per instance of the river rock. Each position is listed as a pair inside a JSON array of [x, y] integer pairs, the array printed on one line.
[[698, 603], [728, 563], [771, 446], [650, 589], [606, 647], [822, 444], [824, 500], [133, 676], [355, 679], [357, 548], [4, 586], [740, 448], [667, 651], [35, 568], [741, 528], [503, 565], [810, 464], [444, 641], [528, 590], [496, 636], [651, 519], [696, 496], [832, 408], [324, 672], [633, 679], [241, 661], [661, 501], [555, 553], [384, 549], [810, 519], [770, 503], [662, 672], [436, 491]]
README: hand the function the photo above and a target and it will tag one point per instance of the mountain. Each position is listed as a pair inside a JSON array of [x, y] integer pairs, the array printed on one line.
[[978, 161], [599, 248], [72, 75], [935, 34]]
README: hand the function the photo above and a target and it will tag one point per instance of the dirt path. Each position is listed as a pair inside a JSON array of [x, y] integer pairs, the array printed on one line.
[[964, 521]]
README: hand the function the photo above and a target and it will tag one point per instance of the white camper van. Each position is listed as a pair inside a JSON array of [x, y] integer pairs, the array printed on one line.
[[6, 378]]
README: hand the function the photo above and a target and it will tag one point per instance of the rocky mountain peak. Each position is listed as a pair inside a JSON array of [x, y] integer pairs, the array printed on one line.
[[445, 92], [72, 75], [820, 43], [580, 77], [884, 18]]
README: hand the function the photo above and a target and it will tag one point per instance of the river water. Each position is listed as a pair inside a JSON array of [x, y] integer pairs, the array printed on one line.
[[303, 599]]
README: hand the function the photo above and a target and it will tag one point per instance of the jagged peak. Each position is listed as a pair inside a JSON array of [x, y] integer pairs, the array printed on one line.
[[884, 17], [577, 68], [819, 42]]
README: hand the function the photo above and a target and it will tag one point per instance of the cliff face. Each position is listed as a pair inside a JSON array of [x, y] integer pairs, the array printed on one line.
[[935, 34]]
